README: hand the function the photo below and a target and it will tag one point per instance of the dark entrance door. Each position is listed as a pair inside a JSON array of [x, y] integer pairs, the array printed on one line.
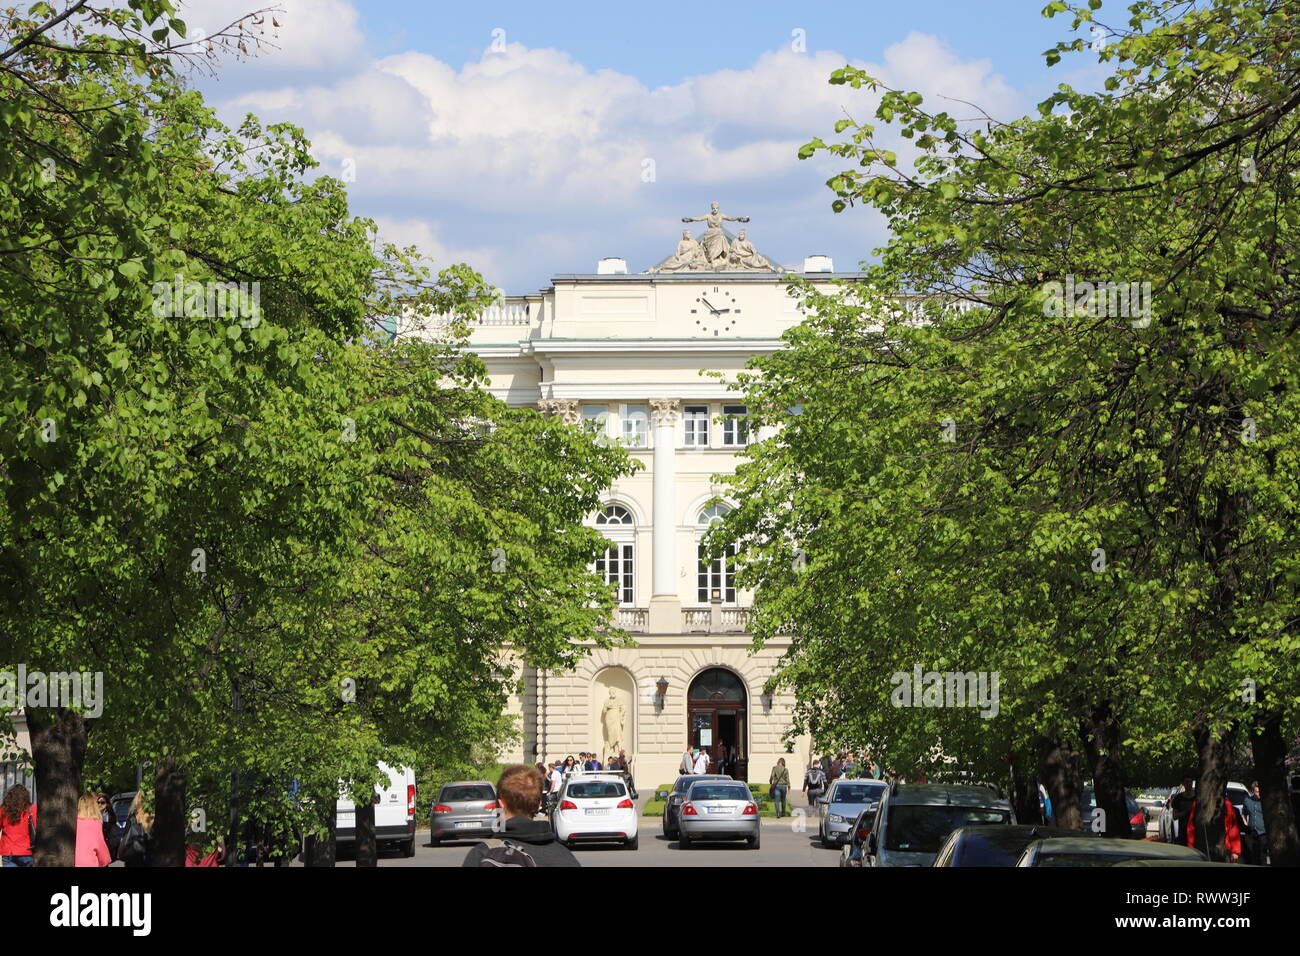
[[716, 711]]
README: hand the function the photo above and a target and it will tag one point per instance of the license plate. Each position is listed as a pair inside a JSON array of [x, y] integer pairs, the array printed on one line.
[[466, 824], [597, 813], [716, 810]]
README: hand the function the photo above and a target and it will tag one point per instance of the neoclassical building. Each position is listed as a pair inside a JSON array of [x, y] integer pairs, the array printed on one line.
[[623, 354]]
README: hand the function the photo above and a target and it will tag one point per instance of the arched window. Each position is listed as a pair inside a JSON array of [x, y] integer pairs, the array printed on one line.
[[617, 565], [715, 573], [614, 515]]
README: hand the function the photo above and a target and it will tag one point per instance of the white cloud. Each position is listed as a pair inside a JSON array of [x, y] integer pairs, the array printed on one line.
[[533, 164]]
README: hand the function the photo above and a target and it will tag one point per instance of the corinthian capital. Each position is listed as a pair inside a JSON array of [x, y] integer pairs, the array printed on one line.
[[564, 408], [664, 411]]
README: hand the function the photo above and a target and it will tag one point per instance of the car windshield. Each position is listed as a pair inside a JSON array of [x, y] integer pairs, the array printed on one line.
[[857, 793], [467, 794], [122, 810], [719, 791], [594, 789], [1000, 852], [922, 829]]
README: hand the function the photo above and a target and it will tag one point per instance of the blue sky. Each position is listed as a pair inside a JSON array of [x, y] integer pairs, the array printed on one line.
[[530, 139]]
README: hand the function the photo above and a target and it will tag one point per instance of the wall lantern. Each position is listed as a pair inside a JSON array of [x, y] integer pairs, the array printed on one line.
[[661, 686]]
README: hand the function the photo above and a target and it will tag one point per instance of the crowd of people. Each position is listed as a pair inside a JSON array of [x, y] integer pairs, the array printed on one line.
[[1243, 830], [821, 773], [101, 840], [554, 774]]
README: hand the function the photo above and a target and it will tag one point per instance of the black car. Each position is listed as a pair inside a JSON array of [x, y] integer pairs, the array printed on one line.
[[851, 854], [994, 845], [678, 796]]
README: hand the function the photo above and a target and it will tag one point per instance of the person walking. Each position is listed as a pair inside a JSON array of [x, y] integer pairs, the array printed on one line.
[[814, 784], [108, 823], [1180, 804], [17, 827], [1231, 832], [91, 849], [687, 764], [780, 783], [137, 843], [525, 841], [701, 760], [1253, 841]]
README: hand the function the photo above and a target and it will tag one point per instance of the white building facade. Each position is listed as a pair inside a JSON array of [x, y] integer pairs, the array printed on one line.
[[625, 355]]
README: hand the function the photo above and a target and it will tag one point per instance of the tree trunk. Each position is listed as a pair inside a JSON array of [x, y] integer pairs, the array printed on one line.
[[323, 851], [1059, 771], [171, 821], [1268, 748], [367, 848], [1210, 788], [58, 754], [1024, 793], [1101, 740]]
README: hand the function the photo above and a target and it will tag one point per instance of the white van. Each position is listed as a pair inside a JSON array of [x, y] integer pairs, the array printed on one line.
[[394, 813]]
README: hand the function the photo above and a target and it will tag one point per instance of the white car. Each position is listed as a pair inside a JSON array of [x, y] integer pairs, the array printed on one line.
[[595, 808]]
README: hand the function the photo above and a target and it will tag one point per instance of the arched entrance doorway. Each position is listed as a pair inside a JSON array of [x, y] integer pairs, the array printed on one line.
[[716, 720]]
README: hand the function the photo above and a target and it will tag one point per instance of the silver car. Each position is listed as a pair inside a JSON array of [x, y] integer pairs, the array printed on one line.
[[465, 809], [841, 805], [718, 810]]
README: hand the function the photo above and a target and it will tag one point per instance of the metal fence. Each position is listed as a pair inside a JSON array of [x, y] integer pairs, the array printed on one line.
[[12, 773]]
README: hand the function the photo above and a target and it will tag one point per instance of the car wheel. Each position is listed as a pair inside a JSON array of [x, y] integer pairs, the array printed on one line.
[[753, 841], [408, 848], [434, 841], [633, 843], [827, 842], [684, 841]]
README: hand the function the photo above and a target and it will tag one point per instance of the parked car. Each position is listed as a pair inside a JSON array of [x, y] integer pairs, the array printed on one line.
[[595, 808], [1235, 792], [1159, 863], [913, 820], [1100, 851], [840, 805], [678, 795], [464, 809], [394, 812], [855, 845], [996, 845], [718, 810], [1137, 818]]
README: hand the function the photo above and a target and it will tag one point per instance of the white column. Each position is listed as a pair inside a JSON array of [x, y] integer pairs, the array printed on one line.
[[664, 414]]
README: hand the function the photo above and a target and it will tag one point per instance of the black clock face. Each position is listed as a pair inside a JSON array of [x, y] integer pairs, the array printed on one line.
[[714, 310]]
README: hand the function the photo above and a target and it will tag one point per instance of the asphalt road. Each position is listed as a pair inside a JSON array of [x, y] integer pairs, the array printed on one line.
[[782, 845]]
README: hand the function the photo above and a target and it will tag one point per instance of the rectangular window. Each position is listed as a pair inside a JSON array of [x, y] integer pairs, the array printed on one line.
[[616, 567], [634, 426], [595, 420], [696, 420], [716, 574], [735, 425]]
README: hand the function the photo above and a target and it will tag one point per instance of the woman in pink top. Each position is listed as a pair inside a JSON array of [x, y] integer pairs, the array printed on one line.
[[91, 848]]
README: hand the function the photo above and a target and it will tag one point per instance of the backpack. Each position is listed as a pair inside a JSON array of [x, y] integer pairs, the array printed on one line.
[[135, 849], [505, 853]]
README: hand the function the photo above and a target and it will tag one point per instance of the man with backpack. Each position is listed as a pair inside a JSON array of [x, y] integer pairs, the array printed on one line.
[[525, 841]]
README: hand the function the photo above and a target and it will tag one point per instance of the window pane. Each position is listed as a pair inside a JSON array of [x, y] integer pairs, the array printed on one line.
[[594, 418], [696, 418], [735, 425], [634, 426]]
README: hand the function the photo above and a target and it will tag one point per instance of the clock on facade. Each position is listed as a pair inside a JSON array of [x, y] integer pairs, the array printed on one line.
[[714, 310]]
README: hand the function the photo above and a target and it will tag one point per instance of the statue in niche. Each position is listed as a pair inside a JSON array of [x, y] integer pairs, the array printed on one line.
[[612, 717]]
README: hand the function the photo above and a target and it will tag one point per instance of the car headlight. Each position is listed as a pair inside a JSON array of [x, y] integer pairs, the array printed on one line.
[[836, 818]]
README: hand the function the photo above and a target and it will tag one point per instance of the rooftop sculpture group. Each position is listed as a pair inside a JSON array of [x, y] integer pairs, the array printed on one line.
[[712, 252]]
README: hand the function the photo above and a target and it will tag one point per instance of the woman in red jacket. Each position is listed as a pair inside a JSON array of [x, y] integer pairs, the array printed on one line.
[[1231, 831], [17, 827]]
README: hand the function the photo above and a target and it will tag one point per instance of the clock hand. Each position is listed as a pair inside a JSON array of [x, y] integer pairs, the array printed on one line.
[[708, 305]]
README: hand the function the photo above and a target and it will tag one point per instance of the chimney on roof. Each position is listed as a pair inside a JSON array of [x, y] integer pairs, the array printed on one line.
[[611, 267], [818, 264]]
